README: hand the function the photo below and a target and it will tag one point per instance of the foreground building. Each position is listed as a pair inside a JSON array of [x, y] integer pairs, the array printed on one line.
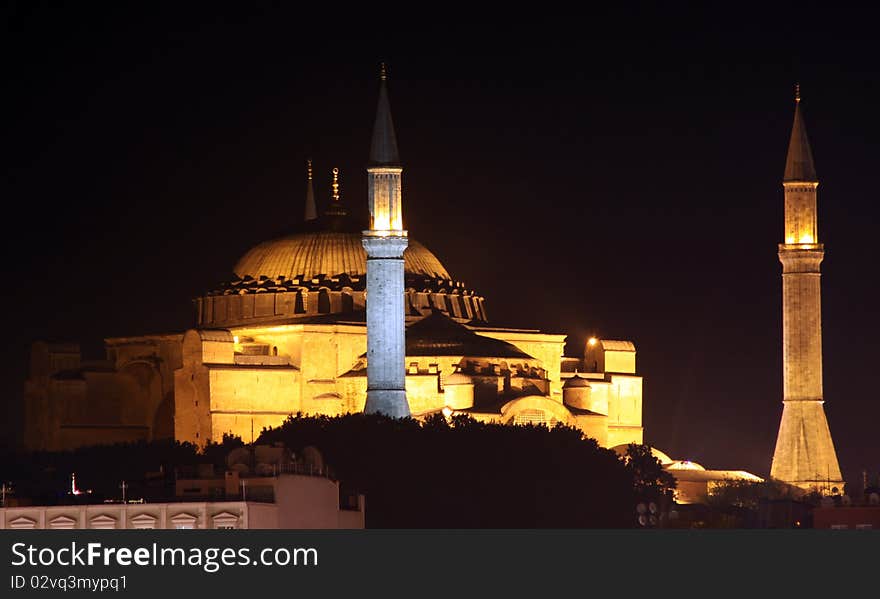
[[295, 501], [288, 334]]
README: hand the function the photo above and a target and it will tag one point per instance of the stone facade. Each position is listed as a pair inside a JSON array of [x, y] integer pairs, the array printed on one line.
[[239, 380], [804, 454], [386, 391]]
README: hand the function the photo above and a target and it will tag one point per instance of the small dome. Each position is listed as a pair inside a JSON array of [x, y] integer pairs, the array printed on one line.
[[661, 457], [684, 465], [576, 382], [458, 378], [439, 335]]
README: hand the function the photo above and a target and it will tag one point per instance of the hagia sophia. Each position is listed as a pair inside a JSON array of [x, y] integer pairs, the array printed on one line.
[[287, 334]]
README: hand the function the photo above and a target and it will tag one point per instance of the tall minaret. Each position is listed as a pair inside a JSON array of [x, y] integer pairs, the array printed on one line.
[[804, 455], [385, 242]]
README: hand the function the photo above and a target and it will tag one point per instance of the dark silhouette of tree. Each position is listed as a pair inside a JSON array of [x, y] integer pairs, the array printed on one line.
[[430, 474], [468, 474], [748, 494], [650, 481]]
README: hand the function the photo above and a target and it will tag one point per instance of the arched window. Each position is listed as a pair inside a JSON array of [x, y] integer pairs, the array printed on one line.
[[299, 306], [347, 302], [324, 301]]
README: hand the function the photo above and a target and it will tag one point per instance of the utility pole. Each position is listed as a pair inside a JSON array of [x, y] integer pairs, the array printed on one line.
[[123, 486]]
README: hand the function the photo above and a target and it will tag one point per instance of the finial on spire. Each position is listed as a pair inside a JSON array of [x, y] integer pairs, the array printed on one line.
[[311, 211], [383, 74], [797, 92], [335, 184]]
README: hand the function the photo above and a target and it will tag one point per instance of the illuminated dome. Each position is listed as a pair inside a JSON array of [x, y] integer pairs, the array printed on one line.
[[684, 465], [664, 459], [329, 245], [576, 382], [329, 253], [319, 272]]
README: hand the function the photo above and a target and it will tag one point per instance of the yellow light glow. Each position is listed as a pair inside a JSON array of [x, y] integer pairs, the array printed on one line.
[[593, 341], [806, 238], [447, 412], [235, 339], [789, 240]]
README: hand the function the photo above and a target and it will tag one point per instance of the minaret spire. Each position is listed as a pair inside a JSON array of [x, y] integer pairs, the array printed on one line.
[[799, 162], [385, 242], [804, 454], [311, 212], [383, 149]]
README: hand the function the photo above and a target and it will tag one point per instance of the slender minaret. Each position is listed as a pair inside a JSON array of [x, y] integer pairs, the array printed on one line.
[[385, 242], [311, 212], [804, 455]]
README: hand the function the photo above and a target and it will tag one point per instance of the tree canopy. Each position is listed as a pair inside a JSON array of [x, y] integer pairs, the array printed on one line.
[[468, 474], [433, 473]]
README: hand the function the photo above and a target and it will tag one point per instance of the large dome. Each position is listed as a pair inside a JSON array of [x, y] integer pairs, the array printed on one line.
[[329, 245], [329, 253], [319, 272]]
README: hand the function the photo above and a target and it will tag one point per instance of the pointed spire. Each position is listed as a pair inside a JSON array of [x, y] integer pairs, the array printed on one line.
[[383, 149], [311, 212], [799, 163]]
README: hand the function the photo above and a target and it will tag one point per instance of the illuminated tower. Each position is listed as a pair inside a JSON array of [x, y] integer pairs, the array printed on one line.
[[804, 455], [385, 242]]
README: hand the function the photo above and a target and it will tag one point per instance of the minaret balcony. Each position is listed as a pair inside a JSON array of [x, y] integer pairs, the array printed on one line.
[[787, 247]]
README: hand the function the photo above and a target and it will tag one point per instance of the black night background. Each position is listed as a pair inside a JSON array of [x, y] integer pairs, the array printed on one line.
[[614, 174]]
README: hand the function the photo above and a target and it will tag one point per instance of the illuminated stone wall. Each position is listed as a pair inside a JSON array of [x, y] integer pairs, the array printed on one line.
[[70, 402], [252, 377], [625, 410], [548, 349]]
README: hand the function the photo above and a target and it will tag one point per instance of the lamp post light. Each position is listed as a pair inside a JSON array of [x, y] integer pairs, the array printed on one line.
[[649, 515]]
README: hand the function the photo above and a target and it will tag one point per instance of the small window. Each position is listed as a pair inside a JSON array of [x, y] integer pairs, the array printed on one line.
[[324, 301]]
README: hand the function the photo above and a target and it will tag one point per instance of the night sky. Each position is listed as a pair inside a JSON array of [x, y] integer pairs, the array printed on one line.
[[617, 175]]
